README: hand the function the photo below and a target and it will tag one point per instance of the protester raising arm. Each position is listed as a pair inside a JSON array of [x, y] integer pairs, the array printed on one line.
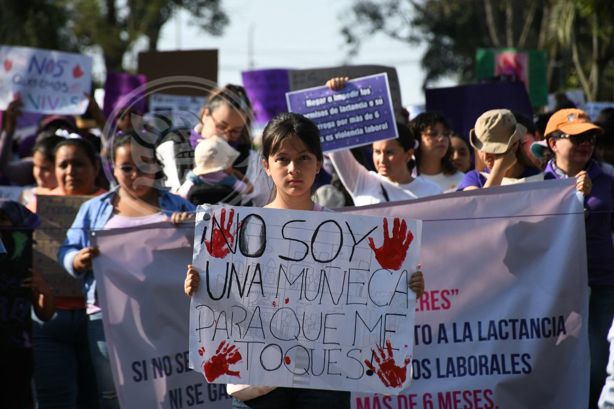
[[393, 161], [16, 171]]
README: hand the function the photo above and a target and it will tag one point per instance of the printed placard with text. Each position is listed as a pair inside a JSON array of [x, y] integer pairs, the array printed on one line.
[[359, 114]]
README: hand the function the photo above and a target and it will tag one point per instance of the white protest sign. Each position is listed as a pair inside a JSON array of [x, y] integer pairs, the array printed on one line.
[[503, 322], [303, 299], [139, 282], [47, 81], [183, 110]]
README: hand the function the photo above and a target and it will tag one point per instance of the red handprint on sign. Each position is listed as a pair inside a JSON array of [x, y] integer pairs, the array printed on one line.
[[221, 239], [219, 363], [391, 375], [394, 249]]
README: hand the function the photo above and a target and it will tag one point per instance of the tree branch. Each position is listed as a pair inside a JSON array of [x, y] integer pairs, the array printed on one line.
[[528, 23], [490, 24], [586, 86], [509, 23]]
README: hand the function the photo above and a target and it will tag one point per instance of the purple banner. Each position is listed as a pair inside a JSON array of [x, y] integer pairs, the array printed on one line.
[[359, 114], [117, 86], [266, 90], [463, 104]]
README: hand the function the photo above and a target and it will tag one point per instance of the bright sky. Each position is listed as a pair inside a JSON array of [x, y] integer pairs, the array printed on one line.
[[292, 34]]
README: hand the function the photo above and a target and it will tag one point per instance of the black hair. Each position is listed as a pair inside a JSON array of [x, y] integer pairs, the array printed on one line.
[[132, 137], [82, 144], [427, 120], [419, 125], [525, 121], [289, 124], [46, 146], [541, 121], [407, 139]]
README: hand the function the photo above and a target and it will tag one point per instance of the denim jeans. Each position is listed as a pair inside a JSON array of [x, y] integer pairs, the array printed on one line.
[[600, 314], [63, 372], [102, 364], [296, 398]]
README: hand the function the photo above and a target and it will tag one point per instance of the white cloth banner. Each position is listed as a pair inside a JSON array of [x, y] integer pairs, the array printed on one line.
[[503, 323], [47, 81], [139, 278], [303, 299]]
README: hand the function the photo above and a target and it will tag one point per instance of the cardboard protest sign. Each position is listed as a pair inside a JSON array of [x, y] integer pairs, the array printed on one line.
[[359, 114], [139, 279], [503, 321], [57, 214], [316, 77], [303, 299], [47, 81], [266, 90], [15, 298], [157, 65]]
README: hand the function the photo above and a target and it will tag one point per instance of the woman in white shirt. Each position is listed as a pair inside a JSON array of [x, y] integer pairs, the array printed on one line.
[[393, 160], [434, 153]]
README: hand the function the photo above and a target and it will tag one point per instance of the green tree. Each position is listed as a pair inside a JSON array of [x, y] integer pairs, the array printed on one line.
[[115, 26], [35, 23], [576, 34]]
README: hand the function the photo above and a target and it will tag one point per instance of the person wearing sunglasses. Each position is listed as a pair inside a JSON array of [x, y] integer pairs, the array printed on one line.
[[571, 137]]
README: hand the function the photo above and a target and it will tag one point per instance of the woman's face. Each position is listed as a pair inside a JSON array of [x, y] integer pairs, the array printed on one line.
[[293, 168], [225, 121], [461, 156], [573, 152], [43, 171], [390, 159], [75, 173], [135, 170], [434, 141]]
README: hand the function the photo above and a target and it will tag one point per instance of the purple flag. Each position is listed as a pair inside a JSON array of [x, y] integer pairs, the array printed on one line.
[[117, 86], [266, 90]]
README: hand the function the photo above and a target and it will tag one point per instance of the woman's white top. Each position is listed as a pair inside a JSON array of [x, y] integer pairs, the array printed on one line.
[[447, 183], [368, 187]]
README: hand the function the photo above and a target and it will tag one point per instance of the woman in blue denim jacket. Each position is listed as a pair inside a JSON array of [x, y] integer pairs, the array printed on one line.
[[136, 201]]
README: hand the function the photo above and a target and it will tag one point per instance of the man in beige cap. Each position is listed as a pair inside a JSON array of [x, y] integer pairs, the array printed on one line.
[[496, 139]]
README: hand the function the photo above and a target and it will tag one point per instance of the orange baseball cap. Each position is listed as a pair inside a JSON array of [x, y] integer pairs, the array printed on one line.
[[571, 122]]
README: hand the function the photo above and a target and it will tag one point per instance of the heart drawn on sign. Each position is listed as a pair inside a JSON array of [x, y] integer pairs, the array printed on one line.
[[77, 72], [8, 64]]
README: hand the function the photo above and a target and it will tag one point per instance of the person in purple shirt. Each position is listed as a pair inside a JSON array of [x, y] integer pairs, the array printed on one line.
[[571, 137]]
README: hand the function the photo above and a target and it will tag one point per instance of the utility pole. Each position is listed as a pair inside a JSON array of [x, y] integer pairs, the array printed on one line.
[[250, 46]]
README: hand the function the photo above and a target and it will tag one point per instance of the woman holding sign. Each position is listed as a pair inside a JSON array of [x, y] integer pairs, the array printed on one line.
[[136, 201], [571, 137], [292, 157], [63, 370], [393, 159]]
